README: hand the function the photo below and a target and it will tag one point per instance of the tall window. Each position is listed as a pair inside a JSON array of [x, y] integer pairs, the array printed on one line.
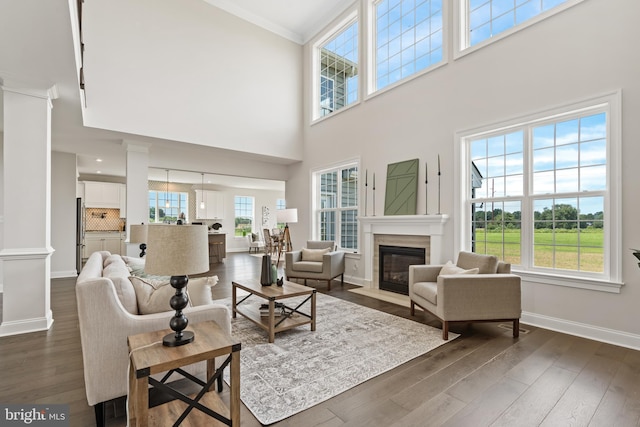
[[485, 19], [159, 212], [337, 205], [244, 215], [540, 193], [281, 204], [338, 69], [408, 38]]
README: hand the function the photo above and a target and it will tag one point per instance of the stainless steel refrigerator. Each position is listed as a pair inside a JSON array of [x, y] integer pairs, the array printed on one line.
[[79, 233]]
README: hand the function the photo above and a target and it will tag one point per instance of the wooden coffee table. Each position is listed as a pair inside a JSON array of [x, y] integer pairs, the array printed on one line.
[[291, 318]]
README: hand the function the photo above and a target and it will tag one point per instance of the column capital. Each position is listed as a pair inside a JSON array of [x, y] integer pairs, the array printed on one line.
[[44, 90], [136, 146]]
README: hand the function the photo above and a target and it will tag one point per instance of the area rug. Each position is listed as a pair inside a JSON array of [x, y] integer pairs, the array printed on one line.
[[351, 345]]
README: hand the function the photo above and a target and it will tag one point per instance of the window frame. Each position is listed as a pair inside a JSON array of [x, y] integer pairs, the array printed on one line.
[[316, 198], [169, 193], [461, 37], [351, 17], [610, 280], [252, 211], [371, 77]]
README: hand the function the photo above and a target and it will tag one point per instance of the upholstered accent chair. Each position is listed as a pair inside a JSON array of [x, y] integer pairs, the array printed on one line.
[[318, 261], [479, 288], [256, 242]]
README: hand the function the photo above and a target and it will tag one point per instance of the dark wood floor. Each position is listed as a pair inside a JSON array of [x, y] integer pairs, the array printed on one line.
[[483, 378]]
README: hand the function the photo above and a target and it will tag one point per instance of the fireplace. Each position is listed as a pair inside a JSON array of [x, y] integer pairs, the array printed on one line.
[[410, 231], [394, 267]]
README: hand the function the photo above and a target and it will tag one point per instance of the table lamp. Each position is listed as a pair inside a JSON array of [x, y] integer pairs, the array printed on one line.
[[138, 234], [287, 216], [177, 251]]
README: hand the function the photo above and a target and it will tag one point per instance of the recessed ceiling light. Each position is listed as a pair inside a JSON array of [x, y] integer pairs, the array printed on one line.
[[98, 171], [98, 160]]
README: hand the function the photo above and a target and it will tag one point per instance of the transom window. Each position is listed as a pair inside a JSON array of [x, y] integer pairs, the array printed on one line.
[[485, 19], [336, 205], [338, 70], [540, 193], [408, 38]]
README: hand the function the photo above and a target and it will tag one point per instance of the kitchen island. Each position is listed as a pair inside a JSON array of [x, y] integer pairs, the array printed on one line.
[[217, 247]]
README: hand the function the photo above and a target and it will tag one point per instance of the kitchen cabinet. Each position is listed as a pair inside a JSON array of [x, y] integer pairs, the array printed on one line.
[[213, 204], [104, 241], [102, 194], [217, 247]]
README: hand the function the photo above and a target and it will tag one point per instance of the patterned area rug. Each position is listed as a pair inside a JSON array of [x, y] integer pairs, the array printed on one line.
[[351, 345]]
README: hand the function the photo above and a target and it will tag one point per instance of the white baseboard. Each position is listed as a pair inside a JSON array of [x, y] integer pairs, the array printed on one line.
[[25, 326], [610, 336], [358, 281], [63, 274], [1, 288]]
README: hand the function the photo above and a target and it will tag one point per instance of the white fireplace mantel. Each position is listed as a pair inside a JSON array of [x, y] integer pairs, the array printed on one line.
[[411, 225]]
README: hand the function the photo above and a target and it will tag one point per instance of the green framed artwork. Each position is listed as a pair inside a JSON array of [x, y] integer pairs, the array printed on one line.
[[401, 194]]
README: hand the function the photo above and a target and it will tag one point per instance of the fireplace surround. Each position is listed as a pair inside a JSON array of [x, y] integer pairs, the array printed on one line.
[[417, 231]]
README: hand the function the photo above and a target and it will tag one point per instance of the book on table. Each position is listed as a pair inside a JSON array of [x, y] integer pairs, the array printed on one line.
[[278, 310]]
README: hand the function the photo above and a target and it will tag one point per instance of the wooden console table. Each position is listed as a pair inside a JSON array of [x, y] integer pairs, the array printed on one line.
[[149, 357]]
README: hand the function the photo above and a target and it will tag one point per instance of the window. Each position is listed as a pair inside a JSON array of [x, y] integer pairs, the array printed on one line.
[[407, 39], [542, 195], [337, 79], [244, 215], [281, 204], [483, 20], [336, 205], [177, 209]]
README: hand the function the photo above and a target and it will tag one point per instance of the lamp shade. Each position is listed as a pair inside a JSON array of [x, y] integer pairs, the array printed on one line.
[[138, 233], [177, 250], [287, 215]]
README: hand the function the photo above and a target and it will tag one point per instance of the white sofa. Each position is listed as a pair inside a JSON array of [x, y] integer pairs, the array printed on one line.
[[107, 315]]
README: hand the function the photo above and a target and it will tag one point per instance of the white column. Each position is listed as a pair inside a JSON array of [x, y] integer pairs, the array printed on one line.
[[137, 188], [27, 250]]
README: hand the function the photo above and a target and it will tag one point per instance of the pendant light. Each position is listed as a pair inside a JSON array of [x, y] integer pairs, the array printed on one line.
[[166, 194], [202, 189]]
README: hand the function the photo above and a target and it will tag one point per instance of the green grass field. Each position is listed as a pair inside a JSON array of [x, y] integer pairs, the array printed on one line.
[[564, 249]]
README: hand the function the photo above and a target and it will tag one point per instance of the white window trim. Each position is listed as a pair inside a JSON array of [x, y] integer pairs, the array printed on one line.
[[253, 216], [349, 19], [611, 281], [371, 91], [461, 36], [315, 197]]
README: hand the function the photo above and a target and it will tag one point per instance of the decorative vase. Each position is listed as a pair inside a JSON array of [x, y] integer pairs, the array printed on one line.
[[274, 273], [265, 276]]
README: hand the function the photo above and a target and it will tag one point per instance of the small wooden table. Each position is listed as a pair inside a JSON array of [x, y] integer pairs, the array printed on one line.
[[149, 356], [273, 293]]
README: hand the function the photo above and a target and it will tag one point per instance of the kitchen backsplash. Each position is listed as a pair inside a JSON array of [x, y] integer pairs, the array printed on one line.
[[97, 219]]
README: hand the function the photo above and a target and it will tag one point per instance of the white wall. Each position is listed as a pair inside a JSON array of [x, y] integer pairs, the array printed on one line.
[[582, 52], [63, 214], [176, 69]]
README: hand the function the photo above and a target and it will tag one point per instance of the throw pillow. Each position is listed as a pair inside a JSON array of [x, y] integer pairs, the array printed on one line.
[[314, 254], [135, 265], [254, 237], [153, 294], [450, 268]]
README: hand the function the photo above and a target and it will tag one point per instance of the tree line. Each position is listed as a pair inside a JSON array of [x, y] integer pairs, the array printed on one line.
[[564, 215]]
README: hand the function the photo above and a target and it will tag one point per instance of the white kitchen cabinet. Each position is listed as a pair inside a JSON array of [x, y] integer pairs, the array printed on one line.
[[102, 194], [213, 204], [99, 241]]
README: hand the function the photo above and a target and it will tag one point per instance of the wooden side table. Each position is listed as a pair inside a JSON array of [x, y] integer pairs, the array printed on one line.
[[149, 357]]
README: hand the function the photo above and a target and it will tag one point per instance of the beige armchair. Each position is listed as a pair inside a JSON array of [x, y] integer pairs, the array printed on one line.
[[318, 261], [492, 295]]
